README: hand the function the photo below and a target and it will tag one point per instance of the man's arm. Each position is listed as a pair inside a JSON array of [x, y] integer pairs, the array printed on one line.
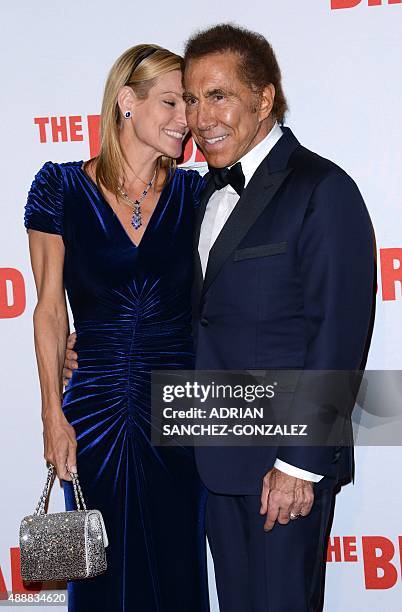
[[337, 258], [70, 358], [336, 254]]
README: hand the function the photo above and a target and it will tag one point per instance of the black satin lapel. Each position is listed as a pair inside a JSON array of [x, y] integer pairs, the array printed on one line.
[[256, 197], [198, 279], [206, 194], [198, 276]]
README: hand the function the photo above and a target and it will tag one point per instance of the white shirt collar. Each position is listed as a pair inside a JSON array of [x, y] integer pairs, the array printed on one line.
[[251, 160]]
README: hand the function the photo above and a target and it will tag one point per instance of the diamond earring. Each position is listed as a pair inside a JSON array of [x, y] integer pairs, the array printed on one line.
[[127, 114]]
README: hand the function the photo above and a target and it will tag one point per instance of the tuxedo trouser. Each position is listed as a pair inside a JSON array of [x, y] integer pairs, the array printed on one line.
[[278, 571]]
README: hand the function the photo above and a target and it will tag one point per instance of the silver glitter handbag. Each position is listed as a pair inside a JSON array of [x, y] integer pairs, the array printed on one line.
[[62, 545]]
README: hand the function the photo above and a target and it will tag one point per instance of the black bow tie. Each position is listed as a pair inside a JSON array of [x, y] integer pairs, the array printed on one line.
[[225, 176]]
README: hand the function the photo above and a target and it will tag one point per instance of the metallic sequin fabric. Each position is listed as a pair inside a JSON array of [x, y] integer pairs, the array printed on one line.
[[63, 545]]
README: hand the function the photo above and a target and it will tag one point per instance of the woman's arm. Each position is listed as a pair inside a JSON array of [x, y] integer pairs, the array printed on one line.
[[51, 330]]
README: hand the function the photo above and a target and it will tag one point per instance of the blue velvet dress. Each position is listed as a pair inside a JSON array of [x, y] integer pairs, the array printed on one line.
[[132, 313]]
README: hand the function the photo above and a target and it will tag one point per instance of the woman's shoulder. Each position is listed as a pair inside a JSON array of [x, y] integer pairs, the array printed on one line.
[[54, 172], [44, 206], [191, 179], [189, 182], [190, 173]]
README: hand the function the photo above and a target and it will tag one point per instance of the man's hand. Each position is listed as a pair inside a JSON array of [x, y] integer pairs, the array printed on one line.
[[71, 359], [282, 495]]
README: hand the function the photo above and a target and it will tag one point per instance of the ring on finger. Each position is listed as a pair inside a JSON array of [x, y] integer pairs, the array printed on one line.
[[294, 516]]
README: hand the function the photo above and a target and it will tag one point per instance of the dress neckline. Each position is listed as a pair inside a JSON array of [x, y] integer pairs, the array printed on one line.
[[101, 197]]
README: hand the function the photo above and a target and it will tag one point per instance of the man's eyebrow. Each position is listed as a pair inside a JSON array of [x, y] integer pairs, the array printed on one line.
[[209, 94], [217, 92]]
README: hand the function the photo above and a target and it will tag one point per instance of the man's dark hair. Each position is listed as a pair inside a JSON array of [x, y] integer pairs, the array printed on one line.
[[258, 65]]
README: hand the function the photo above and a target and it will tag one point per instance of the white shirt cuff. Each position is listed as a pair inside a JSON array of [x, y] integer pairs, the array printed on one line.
[[291, 470]]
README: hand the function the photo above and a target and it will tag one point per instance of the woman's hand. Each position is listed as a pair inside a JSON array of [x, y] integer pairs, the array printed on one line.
[[60, 444]]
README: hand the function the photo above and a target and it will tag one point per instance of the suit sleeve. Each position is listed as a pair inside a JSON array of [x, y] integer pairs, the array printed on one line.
[[337, 269]]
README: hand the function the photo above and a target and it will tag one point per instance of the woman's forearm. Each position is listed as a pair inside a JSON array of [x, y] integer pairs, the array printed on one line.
[[51, 331]]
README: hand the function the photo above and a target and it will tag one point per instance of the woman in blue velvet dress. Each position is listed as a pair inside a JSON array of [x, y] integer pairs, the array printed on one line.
[[116, 234]]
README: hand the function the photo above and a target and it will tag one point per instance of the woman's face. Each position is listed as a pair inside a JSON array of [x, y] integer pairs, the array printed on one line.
[[159, 121]]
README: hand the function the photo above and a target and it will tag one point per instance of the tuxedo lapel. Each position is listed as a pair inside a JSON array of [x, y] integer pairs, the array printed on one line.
[[206, 194], [255, 198], [258, 194]]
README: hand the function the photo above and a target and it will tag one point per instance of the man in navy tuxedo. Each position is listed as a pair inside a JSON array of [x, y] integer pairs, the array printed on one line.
[[284, 280]]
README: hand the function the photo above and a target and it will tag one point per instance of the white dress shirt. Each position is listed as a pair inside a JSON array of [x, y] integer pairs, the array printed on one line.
[[217, 212]]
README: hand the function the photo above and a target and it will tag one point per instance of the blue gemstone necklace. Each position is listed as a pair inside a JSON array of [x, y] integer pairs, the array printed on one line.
[[136, 220]]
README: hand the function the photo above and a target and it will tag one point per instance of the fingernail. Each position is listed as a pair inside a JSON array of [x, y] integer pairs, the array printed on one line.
[[73, 469]]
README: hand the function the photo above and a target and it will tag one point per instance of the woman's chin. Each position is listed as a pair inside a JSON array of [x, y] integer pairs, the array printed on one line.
[[174, 152]]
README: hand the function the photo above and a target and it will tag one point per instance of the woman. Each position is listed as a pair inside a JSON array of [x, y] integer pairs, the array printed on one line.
[[116, 233]]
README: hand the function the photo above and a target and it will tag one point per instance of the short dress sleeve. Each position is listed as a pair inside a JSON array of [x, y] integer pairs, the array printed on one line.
[[44, 207]]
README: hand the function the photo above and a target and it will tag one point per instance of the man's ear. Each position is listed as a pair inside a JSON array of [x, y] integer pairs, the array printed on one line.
[[126, 100], [266, 102]]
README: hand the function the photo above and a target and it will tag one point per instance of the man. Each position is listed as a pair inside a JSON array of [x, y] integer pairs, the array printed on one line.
[[284, 280]]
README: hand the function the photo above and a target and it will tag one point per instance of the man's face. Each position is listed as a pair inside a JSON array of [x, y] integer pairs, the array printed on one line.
[[223, 113]]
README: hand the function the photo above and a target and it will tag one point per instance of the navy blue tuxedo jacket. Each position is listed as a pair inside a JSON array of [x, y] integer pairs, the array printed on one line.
[[290, 284]]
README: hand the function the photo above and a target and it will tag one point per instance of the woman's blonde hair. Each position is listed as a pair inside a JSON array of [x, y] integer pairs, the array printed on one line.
[[138, 67]]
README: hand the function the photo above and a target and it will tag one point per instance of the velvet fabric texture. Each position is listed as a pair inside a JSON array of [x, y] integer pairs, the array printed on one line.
[[132, 313]]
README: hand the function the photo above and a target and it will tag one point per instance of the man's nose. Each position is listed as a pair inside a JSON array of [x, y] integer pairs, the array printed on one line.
[[205, 117]]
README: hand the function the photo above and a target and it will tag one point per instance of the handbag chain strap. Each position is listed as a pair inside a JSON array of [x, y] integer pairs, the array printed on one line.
[[79, 497]]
